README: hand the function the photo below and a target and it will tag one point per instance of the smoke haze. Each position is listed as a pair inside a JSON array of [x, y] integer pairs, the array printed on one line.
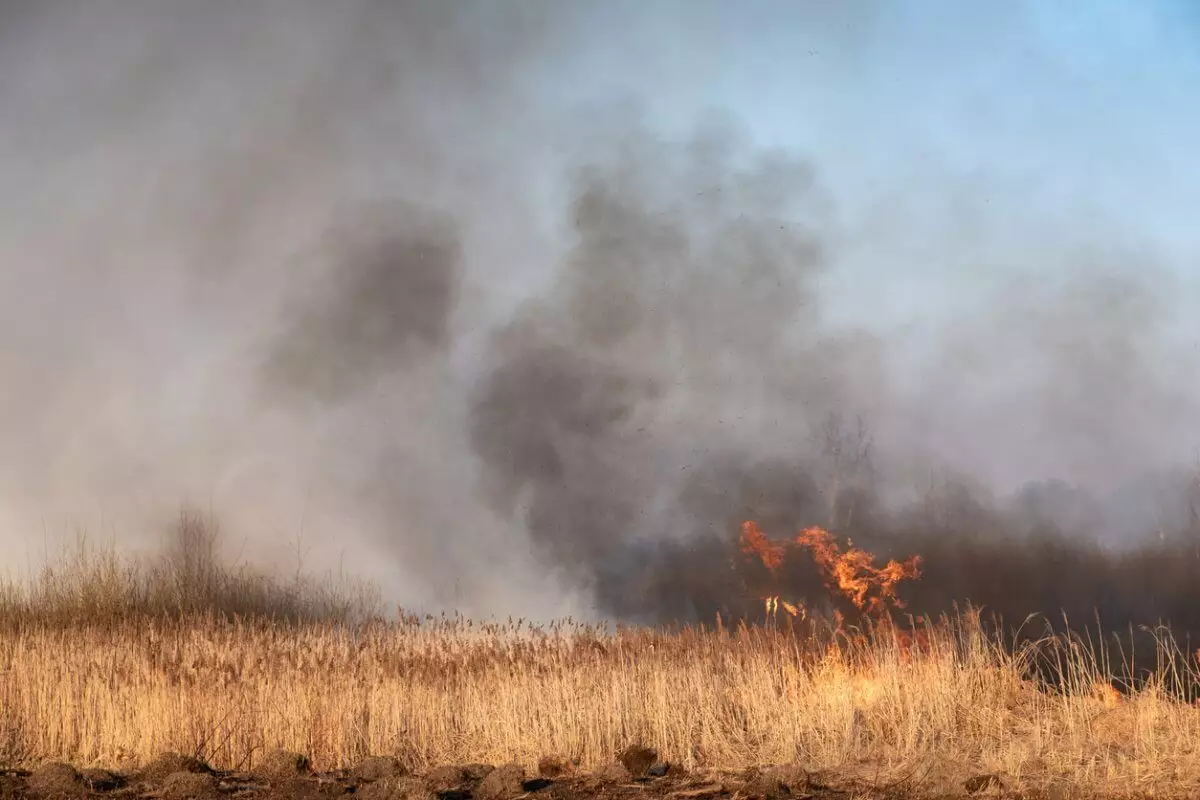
[[518, 308]]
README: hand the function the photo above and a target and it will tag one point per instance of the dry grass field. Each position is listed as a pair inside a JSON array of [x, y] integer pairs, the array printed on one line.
[[450, 692], [97, 670]]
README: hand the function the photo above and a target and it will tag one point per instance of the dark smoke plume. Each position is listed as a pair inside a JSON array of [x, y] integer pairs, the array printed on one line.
[[384, 298], [360, 274], [682, 316], [679, 379]]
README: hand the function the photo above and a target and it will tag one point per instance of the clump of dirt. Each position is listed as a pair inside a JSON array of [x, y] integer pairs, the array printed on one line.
[[384, 778], [101, 780], [189, 785], [55, 779], [396, 788], [503, 782], [282, 765], [552, 766], [11, 785], [638, 759], [777, 782], [170, 763], [613, 773], [446, 778], [375, 768], [477, 772]]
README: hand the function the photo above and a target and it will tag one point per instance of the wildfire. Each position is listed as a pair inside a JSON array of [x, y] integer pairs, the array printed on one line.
[[851, 573], [755, 543]]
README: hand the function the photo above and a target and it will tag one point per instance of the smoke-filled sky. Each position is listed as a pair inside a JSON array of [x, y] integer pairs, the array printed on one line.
[[476, 299]]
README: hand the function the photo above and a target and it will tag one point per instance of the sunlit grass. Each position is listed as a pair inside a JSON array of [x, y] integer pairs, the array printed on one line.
[[107, 663]]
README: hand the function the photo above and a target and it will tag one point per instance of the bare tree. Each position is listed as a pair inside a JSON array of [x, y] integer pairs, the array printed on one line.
[[845, 457]]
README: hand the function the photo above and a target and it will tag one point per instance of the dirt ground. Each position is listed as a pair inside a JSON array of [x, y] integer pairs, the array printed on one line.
[[635, 775]]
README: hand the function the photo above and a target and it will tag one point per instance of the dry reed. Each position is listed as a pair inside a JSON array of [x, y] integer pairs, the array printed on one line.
[[114, 671], [449, 690]]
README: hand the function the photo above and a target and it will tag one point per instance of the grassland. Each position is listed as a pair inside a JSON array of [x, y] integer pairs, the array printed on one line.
[[103, 665]]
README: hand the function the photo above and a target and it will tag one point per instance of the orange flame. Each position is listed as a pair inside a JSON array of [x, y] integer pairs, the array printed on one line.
[[855, 574], [755, 543], [851, 573]]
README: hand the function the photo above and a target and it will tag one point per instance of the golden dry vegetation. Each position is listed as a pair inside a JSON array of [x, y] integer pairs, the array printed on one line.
[[448, 691], [93, 679]]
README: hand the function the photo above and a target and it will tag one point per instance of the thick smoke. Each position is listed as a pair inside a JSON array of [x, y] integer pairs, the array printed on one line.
[[679, 378], [384, 300], [235, 242], [351, 274], [683, 330]]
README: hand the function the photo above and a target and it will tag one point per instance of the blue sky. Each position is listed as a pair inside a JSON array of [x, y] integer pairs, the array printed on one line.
[[1054, 123], [990, 165]]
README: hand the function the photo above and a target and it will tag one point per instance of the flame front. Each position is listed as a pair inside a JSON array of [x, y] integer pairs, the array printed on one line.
[[851, 573]]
